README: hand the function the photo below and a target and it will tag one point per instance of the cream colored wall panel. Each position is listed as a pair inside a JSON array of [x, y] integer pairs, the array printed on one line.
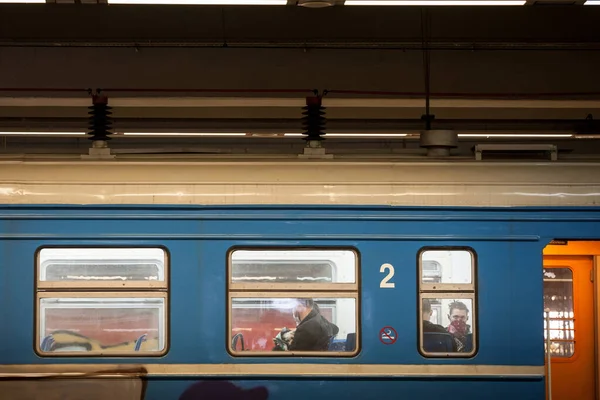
[[208, 194], [295, 183], [293, 172]]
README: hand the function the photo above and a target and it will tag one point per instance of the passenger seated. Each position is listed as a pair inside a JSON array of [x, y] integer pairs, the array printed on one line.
[[313, 332], [438, 342], [283, 339], [436, 338], [429, 326], [468, 343], [458, 316]]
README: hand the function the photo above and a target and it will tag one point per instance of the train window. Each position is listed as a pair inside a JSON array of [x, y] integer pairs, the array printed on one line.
[[124, 314], [558, 300], [101, 267], [447, 302], [266, 320], [101, 324]]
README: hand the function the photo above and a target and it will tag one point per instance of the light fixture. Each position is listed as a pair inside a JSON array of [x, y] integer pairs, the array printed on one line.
[[204, 2], [367, 135], [295, 134], [592, 3], [184, 134], [22, 1], [27, 133], [356, 135], [435, 2], [515, 135], [316, 3]]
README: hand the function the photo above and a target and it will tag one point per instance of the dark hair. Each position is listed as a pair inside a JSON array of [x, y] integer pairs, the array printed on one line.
[[458, 305], [306, 302], [426, 305]]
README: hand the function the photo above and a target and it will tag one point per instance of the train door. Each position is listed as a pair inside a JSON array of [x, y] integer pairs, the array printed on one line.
[[569, 319]]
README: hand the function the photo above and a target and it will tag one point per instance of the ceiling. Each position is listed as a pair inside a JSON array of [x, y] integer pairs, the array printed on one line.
[[530, 70]]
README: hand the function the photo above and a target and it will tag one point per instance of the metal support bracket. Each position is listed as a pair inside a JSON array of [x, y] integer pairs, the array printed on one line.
[[312, 152], [99, 151]]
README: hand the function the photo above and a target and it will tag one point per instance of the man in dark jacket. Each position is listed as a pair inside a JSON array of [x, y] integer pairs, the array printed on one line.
[[313, 332], [429, 326]]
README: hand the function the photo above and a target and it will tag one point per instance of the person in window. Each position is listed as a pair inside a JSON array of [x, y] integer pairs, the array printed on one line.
[[313, 332], [458, 316], [429, 326], [283, 339]]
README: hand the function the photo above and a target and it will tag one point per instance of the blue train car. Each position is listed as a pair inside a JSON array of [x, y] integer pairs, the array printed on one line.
[[286, 279]]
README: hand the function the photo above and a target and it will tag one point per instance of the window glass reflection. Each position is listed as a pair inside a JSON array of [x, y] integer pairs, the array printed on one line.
[[446, 266], [447, 325], [293, 324], [293, 266], [104, 325], [558, 299], [101, 265]]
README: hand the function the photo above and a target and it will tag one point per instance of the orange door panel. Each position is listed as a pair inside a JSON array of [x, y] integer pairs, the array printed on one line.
[[569, 296]]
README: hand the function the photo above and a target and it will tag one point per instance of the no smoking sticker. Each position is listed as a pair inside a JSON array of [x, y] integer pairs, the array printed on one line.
[[388, 335]]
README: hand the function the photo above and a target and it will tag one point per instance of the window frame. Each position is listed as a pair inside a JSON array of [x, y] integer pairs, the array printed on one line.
[[448, 291], [107, 289], [258, 290]]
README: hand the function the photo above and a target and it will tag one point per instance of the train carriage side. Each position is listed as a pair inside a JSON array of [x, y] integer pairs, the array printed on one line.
[[189, 300]]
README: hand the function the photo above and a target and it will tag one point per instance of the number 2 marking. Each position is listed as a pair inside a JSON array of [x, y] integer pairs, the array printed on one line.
[[384, 282]]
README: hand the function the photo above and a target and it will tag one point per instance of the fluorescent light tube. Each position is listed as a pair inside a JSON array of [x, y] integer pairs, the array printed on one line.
[[366, 135], [514, 135], [27, 133], [434, 2], [182, 134], [204, 2], [356, 135], [22, 1], [592, 3]]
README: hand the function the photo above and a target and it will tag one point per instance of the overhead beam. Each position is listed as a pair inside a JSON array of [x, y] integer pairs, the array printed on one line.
[[282, 125], [202, 108], [348, 27], [277, 102], [470, 74]]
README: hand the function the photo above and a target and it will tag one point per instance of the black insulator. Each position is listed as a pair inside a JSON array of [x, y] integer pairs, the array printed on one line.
[[314, 120], [100, 121]]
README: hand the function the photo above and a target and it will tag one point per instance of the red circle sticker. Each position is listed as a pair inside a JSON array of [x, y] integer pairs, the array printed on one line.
[[388, 335]]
